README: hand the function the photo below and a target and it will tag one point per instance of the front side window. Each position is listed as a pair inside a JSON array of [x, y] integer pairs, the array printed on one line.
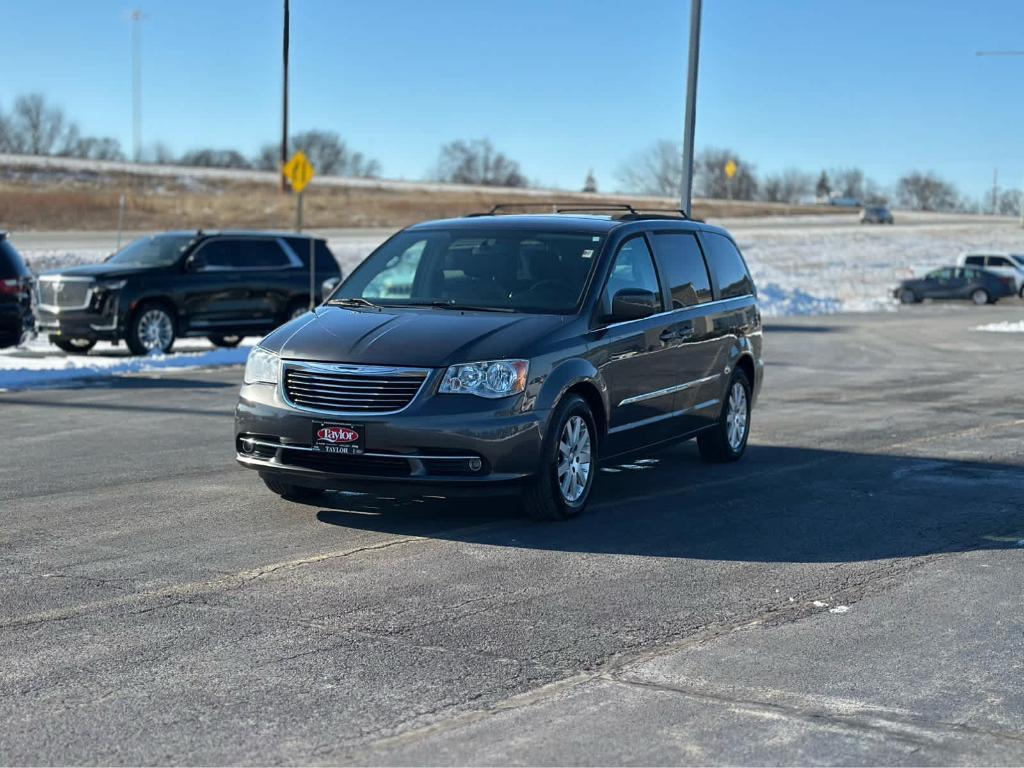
[[682, 263], [219, 254], [500, 269], [728, 266], [975, 260], [634, 270], [941, 274]]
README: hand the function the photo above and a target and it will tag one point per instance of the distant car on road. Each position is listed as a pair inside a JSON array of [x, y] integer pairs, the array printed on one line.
[[16, 285], [1004, 264], [222, 285], [876, 214], [509, 352], [977, 285]]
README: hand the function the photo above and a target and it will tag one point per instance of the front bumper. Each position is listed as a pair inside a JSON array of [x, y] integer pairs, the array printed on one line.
[[80, 323], [447, 440]]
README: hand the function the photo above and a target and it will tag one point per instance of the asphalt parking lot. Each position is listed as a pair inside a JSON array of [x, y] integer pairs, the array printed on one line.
[[849, 594]]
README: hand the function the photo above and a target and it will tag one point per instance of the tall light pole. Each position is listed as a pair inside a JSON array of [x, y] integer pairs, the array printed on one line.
[[284, 111], [690, 118], [136, 18], [1020, 202]]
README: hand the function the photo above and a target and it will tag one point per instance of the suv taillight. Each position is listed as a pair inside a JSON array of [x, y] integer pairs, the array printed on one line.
[[10, 287], [1009, 282]]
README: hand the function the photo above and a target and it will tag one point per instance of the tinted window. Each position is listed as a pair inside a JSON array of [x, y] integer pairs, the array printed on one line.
[[634, 270], [220, 254], [11, 264], [325, 261], [500, 268], [262, 254], [976, 260], [728, 267], [682, 265], [940, 274], [998, 261]]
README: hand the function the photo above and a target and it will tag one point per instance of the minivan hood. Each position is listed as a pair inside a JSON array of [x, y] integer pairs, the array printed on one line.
[[99, 270], [420, 338]]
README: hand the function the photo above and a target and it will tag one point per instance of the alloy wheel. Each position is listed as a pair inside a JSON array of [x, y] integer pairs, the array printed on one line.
[[155, 330], [574, 462], [736, 416]]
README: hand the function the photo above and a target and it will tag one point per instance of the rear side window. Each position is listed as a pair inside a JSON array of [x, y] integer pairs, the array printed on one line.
[[326, 264], [977, 261], [11, 264], [998, 261], [682, 265], [634, 269], [728, 266]]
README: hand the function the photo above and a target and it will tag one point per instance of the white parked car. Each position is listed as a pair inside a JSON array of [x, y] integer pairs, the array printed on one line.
[[1002, 264]]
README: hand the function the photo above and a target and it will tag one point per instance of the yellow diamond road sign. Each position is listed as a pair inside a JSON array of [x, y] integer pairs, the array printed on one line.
[[299, 171], [731, 168]]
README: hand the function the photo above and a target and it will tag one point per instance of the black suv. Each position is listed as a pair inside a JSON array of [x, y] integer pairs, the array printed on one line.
[[15, 295], [222, 285], [485, 351]]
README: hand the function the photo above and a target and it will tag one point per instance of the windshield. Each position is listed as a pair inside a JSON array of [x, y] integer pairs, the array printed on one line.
[[500, 269], [155, 251]]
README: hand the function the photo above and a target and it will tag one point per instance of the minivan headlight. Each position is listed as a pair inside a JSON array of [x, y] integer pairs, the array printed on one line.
[[262, 367], [492, 378]]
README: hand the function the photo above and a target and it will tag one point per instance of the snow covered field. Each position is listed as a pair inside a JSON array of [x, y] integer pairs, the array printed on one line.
[[802, 267]]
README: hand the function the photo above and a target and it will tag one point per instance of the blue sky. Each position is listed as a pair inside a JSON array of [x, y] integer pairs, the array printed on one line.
[[560, 85]]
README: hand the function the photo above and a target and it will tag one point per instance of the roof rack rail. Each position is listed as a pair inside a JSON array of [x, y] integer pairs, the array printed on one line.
[[499, 207], [626, 211]]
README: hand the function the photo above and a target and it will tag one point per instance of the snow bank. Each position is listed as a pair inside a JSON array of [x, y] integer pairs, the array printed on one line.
[[1004, 327], [40, 365]]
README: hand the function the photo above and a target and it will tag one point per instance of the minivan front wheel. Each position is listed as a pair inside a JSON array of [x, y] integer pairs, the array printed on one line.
[[727, 439], [568, 464]]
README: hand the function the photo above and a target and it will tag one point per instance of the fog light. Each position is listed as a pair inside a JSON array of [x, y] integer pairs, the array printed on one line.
[[475, 464], [248, 445]]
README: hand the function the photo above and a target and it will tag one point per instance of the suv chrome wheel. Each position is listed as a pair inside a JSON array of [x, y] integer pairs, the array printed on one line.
[[155, 330], [574, 459], [736, 417]]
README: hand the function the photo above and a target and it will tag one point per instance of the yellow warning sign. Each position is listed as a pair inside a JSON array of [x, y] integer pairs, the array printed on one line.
[[299, 171]]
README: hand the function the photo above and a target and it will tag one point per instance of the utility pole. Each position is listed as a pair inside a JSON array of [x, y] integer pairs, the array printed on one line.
[[690, 118], [284, 112], [1020, 203], [136, 18]]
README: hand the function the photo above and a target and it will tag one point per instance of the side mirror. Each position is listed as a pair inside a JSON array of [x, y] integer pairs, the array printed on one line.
[[327, 286], [194, 263], [633, 304]]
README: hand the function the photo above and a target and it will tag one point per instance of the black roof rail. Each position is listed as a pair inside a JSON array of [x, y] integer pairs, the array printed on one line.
[[655, 213], [553, 204], [626, 211]]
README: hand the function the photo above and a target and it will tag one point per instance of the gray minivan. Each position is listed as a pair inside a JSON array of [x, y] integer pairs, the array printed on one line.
[[509, 352]]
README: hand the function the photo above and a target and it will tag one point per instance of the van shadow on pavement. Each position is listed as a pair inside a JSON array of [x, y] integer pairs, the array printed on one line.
[[778, 505]]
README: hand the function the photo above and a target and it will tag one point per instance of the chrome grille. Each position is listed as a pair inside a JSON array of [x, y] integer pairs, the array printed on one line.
[[64, 293], [351, 389]]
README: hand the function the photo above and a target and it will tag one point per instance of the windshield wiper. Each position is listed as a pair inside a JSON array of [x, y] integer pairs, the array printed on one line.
[[457, 305], [352, 302]]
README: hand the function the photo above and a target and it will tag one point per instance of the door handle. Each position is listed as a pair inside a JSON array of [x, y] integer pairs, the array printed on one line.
[[674, 334]]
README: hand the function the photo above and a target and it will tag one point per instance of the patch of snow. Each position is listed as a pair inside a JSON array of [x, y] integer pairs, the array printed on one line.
[[839, 609], [1004, 327], [38, 364], [819, 604]]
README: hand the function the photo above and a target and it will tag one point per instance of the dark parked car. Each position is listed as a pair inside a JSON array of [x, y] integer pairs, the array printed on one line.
[[222, 285], [15, 295], [486, 351], [876, 214], [977, 285]]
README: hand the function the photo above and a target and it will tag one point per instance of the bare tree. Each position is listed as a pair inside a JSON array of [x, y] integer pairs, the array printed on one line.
[[93, 148], [590, 183], [327, 152], [926, 192], [214, 158], [35, 128], [711, 181], [823, 189], [657, 170], [1009, 202], [790, 186], [477, 162]]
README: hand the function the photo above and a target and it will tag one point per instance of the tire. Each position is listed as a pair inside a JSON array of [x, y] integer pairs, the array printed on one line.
[[1021, 293], [291, 492], [151, 329], [980, 297], [548, 495], [907, 296], [225, 341], [73, 346], [720, 443]]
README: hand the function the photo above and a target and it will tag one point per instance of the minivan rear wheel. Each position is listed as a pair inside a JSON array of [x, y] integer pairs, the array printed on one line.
[[979, 296], [568, 464], [727, 440]]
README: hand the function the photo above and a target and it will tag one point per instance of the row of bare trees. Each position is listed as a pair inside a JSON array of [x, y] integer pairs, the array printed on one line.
[[33, 127], [658, 171]]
